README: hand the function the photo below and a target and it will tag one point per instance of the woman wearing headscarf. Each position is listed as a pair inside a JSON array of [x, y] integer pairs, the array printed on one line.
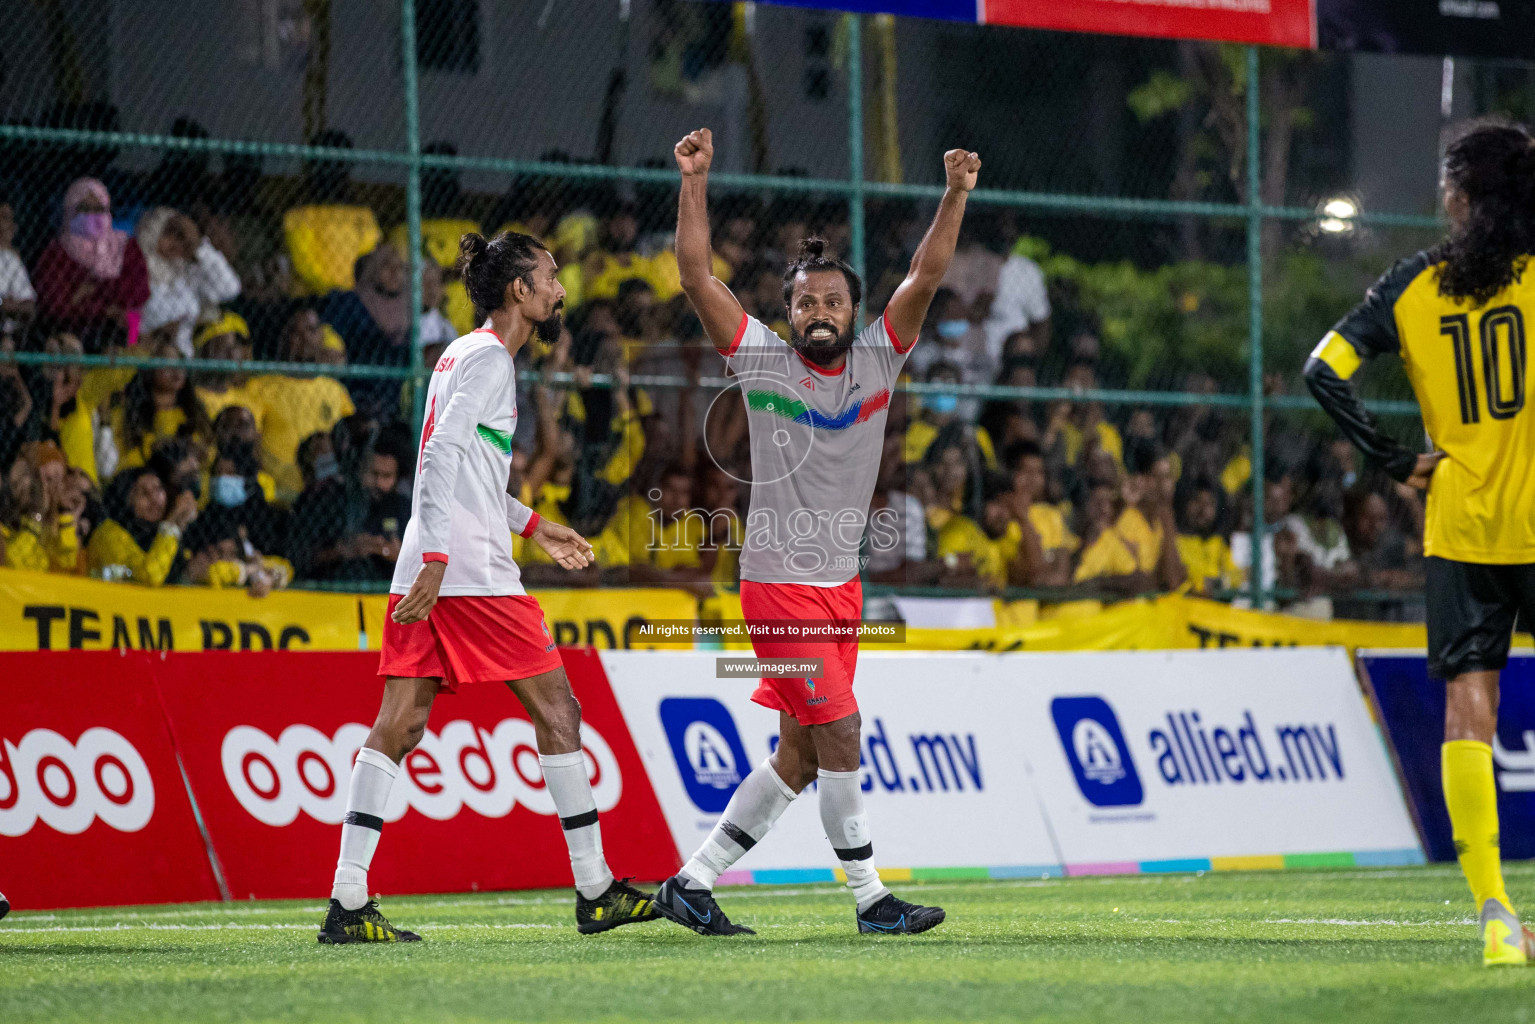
[[92, 280], [188, 277], [141, 538], [374, 317], [374, 321]]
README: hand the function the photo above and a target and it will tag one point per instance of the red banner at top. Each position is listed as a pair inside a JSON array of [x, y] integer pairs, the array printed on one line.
[[1266, 22]]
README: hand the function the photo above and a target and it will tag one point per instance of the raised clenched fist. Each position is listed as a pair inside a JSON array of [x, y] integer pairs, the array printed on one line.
[[960, 168], [695, 152]]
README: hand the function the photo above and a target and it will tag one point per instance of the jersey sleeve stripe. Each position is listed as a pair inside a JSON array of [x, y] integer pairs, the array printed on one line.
[[533, 521], [903, 349], [735, 342], [434, 556], [1337, 352]]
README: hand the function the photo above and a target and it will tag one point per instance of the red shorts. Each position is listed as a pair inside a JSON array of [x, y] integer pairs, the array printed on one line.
[[470, 640], [812, 701]]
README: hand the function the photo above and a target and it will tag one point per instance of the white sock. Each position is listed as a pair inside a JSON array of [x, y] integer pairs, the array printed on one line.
[[372, 775], [847, 826], [756, 804], [565, 775]]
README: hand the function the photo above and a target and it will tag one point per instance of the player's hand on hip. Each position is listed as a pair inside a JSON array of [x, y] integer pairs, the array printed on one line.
[[568, 548], [417, 605], [695, 152], [960, 168], [1424, 470]]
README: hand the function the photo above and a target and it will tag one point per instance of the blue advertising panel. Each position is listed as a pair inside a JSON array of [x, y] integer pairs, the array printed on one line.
[[1411, 707]]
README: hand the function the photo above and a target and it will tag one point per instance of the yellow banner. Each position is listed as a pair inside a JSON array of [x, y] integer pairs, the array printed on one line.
[[1171, 622], [41, 611], [591, 618]]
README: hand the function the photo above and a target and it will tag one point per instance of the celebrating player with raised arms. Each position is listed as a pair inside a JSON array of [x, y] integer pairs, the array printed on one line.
[[816, 411], [457, 612], [1458, 316]]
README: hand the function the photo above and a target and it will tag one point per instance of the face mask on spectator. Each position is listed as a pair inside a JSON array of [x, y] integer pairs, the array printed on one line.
[[951, 329], [941, 404], [325, 468], [90, 225], [229, 491]]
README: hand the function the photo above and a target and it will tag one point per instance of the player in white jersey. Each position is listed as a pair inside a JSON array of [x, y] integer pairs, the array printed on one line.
[[816, 411], [458, 614]]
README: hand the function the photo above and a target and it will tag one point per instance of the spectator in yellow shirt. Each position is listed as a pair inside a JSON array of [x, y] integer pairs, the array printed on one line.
[[157, 404], [293, 408], [1147, 522], [38, 519], [1107, 561], [75, 398], [1073, 424], [1045, 544], [1201, 542], [141, 540], [721, 551], [228, 339], [667, 546], [941, 412], [615, 260]]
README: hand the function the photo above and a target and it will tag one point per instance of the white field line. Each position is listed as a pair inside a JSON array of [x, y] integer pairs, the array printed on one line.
[[146, 926], [743, 892]]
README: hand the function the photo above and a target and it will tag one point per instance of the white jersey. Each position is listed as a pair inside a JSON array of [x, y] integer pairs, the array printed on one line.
[[460, 512]]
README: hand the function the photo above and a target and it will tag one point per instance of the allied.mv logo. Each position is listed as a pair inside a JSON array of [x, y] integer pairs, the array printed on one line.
[[1096, 749], [707, 749]]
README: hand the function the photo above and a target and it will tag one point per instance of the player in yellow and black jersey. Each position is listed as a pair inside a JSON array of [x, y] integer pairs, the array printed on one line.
[[1459, 317]]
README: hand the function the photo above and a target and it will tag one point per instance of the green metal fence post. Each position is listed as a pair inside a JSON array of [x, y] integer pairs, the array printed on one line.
[[855, 141], [1255, 316], [413, 198]]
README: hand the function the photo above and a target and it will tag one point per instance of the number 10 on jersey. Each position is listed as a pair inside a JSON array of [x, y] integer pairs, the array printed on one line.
[[1502, 335]]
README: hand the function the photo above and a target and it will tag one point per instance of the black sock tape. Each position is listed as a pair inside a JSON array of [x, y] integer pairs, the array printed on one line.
[[581, 820], [372, 821], [863, 852], [737, 835]]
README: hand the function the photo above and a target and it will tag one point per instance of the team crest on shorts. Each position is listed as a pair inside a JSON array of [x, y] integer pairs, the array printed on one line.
[[545, 627]]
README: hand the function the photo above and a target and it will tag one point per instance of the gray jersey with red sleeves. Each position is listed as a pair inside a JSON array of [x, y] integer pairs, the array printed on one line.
[[816, 440]]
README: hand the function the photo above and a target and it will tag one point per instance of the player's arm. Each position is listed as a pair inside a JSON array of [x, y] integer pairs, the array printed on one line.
[[1369, 329], [716, 306], [476, 379], [908, 306], [568, 548]]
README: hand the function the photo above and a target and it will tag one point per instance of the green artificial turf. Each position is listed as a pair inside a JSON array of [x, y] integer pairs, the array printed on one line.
[[1357, 945]]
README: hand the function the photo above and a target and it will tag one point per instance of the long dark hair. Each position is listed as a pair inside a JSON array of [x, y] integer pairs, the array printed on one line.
[[487, 267], [139, 410], [1494, 166]]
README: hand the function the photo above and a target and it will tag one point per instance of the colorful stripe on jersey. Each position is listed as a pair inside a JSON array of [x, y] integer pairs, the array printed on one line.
[[791, 408], [499, 439]]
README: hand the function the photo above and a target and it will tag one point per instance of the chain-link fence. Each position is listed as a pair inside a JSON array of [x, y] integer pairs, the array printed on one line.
[[227, 235]]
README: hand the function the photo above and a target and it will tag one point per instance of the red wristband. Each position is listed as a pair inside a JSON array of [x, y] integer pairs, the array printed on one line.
[[435, 556], [527, 531]]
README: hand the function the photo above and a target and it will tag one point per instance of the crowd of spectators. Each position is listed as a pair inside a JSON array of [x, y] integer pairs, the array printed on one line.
[[210, 475]]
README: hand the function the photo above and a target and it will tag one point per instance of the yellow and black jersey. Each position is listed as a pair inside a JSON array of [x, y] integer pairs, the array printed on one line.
[[1468, 366]]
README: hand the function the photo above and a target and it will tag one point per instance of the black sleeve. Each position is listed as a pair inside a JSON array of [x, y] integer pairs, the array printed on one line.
[[1371, 326], [1343, 404]]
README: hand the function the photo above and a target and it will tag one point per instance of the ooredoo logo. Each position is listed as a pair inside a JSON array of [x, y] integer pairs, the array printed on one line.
[[489, 771], [69, 785]]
